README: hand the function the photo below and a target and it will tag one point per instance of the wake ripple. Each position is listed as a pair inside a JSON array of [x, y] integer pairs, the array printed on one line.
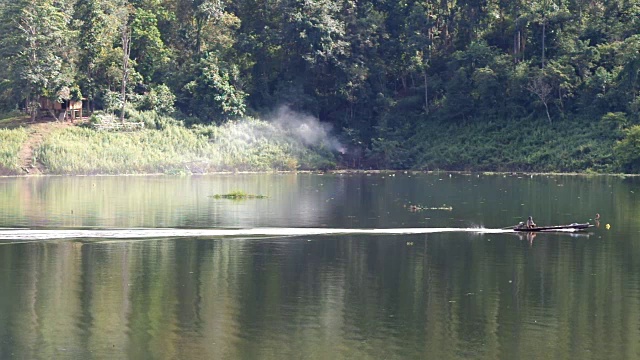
[[140, 233]]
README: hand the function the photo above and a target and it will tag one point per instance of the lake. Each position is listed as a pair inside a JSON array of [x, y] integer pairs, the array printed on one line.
[[157, 268]]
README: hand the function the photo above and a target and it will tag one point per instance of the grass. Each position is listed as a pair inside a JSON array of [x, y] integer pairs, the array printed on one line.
[[520, 145], [249, 145], [12, 120], [11, 142], [167, 147]]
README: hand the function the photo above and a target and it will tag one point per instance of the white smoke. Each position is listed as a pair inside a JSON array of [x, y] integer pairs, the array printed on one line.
[[306, 128]]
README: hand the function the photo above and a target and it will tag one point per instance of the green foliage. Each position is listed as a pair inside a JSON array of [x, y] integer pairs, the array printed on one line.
[[96, 23], [616, 121], [148, 48], [159, 99], [35, 43], [112, 101], [151, 119], [212, 92], [318, 30], [627, 150], [519, 145]]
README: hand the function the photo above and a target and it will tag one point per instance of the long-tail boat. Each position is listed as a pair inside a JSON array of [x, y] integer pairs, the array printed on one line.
[[573, 226]]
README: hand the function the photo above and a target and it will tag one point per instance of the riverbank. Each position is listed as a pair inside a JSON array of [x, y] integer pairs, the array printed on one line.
[[63, 148]]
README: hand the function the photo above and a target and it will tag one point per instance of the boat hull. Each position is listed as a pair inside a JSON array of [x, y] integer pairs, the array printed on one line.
[[555, 228]]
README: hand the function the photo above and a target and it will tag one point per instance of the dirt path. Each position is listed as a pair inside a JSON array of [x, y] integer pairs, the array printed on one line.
[[37, 132]]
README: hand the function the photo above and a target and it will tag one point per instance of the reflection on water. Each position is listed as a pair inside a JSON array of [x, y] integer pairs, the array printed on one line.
[[441, 295]]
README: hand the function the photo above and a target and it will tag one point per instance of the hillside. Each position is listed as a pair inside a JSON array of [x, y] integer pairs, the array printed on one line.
[[397, 81]]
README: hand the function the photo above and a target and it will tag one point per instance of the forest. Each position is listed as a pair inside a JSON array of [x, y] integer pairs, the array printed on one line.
[[489, 85]]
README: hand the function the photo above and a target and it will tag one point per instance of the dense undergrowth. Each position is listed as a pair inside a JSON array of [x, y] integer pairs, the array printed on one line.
[[520, 145]]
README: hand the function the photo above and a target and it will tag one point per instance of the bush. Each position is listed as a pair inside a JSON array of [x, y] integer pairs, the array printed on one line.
[[160, 99], [627, 150], [617, 120]]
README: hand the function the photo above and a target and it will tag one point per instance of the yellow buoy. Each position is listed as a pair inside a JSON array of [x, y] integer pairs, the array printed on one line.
[[608, 226]]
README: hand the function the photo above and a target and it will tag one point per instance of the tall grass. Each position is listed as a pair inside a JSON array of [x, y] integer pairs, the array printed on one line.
[[578, 145], [11, 142], [249, 145]]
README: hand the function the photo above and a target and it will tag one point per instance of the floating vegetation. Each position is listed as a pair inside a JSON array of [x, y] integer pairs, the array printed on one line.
[[414, 208], [238, 195]]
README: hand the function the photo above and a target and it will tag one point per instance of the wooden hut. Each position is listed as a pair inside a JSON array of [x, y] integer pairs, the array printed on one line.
[[62, 110]]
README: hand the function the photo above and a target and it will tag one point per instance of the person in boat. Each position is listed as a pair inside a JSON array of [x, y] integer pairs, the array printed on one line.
[[530, 223]]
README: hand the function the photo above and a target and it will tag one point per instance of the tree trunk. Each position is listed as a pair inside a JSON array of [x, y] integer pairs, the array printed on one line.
[[546, 108], [560, 102], [53, 114], [126, 50], [426, 92], [31, 109], [515, 48], [523, 43], [544, 29], [198, 44]]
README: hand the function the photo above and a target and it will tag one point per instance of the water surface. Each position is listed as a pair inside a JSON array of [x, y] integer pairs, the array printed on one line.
[[195, 282]]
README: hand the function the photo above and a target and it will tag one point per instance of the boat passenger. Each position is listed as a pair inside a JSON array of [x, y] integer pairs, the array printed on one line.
[[530, 223]]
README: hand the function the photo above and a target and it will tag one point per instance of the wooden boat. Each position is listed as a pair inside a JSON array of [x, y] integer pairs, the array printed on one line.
[[573, 226]]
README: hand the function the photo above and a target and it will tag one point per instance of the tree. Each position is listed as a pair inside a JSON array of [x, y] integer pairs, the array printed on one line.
[[97, 26], [421, 31], [206, 11], [539, 87], [147, 45], [125, 35], [212, 94], [316, 29], [630, 62], [36, 44], [197, 23]]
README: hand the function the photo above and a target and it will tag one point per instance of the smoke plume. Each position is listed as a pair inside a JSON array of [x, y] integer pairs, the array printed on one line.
[[306, 128]]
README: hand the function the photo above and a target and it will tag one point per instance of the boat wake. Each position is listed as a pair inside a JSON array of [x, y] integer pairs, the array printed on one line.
[[7, 234]]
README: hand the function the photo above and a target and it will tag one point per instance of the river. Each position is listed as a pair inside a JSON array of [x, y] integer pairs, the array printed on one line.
[[334, 266]]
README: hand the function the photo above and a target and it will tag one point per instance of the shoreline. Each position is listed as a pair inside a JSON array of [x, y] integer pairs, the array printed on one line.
[[322, 172]]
